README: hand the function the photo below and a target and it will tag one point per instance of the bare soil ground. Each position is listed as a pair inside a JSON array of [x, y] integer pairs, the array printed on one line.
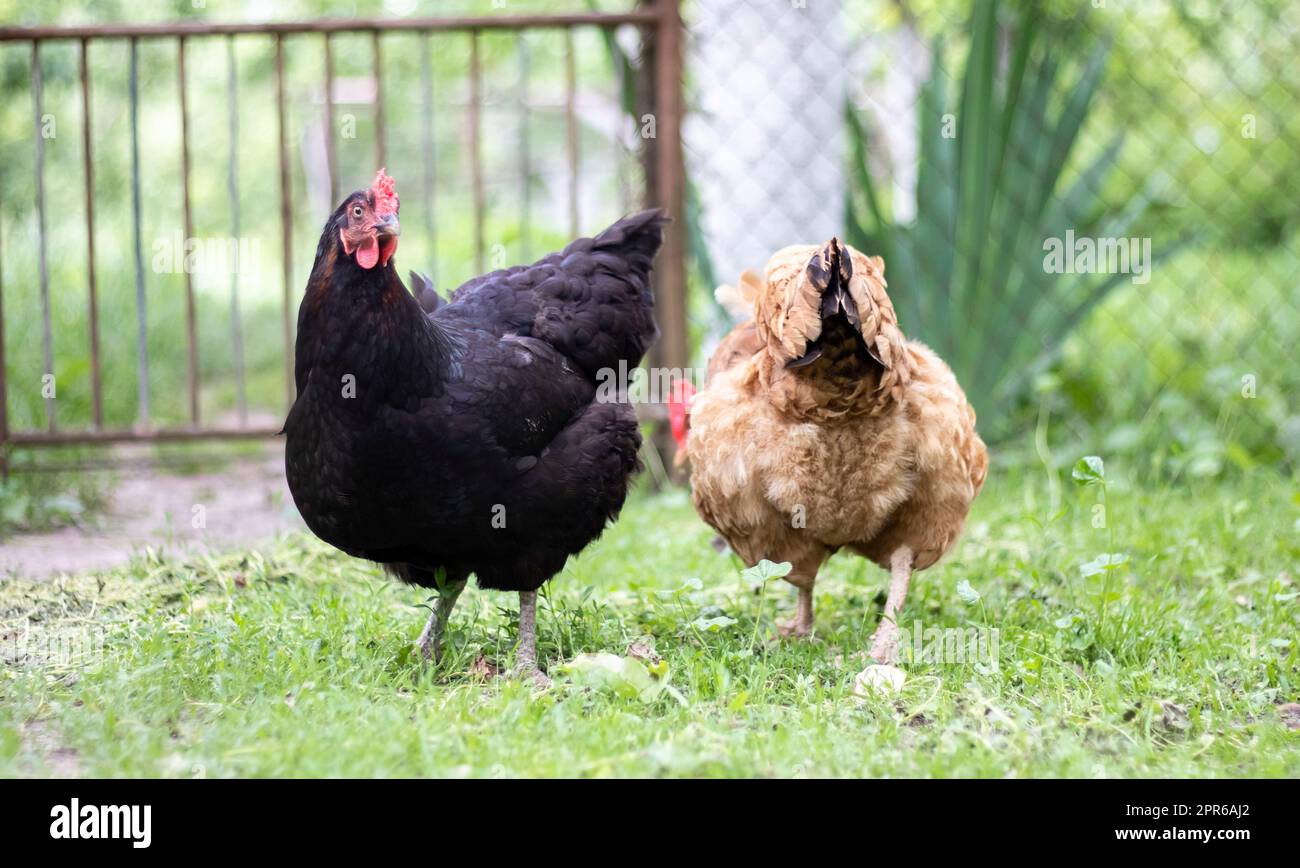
[[236, 504]]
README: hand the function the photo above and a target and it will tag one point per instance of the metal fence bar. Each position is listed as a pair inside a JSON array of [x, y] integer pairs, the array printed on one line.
[[232, 190], [430, 150], [88, 171], [379, 100], [191, 328], [670, 184], [331, 155], [141, 314], [47, 329], [286, 224], [525, 156], [157, 435], [571, 128], [475, 157], [328, 25], [620, 148]]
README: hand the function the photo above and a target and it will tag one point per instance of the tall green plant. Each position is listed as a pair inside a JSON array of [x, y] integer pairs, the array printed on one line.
[[967, 273]]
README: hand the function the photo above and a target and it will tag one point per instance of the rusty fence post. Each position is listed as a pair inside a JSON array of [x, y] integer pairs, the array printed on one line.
[[88, 169], [191, 315], [666, 188], [474, 121], [671, 181], [286, 226], [381, 145], [331, 155]]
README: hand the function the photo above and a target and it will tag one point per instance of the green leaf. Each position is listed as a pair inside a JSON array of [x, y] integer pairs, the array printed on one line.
[[623, 676], [713, 625], [690, 585], [765, 571], [1089, 471], [1103, 563], [968, 594]]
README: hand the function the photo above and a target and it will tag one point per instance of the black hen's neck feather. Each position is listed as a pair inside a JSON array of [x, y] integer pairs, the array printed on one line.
[[363, 322]]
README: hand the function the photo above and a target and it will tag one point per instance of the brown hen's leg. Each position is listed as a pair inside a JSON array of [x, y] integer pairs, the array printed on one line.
[[805, 562], [884, 644], [430, 641], [802, 623], [526, 655]]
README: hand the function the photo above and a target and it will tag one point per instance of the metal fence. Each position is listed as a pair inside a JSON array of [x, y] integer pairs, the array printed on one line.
[[652, 86]]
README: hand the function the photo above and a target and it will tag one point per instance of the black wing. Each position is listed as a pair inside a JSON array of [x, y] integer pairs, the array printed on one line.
[[592, 301]]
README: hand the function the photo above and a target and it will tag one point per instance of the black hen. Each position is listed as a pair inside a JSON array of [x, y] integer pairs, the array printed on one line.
[[467, 439]]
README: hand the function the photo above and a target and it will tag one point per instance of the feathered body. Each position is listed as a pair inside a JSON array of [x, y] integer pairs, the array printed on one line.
[[468, 438], [821, 427]]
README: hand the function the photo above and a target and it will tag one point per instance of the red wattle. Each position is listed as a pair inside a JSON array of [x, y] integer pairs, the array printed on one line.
[[368, 253]]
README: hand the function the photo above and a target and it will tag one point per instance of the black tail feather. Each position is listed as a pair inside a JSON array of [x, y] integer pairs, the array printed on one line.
[[640, 234], [425, 294]]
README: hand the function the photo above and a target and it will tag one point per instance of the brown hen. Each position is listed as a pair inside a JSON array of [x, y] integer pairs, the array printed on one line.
[[822, 427]]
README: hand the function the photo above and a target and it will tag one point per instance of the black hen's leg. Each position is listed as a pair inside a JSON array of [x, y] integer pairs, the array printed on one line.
[[526, 654], [430, 641]]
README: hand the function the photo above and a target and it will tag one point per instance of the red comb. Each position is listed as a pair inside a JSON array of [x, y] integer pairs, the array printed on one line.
[[385, 193]]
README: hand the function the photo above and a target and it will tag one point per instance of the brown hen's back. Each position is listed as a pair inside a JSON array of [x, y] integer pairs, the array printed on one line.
[[740, 344]]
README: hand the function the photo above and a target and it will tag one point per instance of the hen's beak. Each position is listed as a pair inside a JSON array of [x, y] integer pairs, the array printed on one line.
[[388, 227], [386, 231]]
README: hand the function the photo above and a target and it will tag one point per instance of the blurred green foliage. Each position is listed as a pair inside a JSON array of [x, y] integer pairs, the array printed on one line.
[[1188, 133], [990, 189]]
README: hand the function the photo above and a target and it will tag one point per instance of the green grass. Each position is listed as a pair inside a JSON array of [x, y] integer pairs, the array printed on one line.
[[294, 660]]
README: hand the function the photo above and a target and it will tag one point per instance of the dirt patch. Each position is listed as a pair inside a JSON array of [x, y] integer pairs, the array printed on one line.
[[241, 503], [41, 739]]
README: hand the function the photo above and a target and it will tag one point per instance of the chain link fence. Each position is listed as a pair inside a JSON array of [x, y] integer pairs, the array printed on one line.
[[1087, 208]]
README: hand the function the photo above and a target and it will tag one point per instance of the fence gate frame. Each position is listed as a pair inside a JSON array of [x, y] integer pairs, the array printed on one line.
[[658, 91]]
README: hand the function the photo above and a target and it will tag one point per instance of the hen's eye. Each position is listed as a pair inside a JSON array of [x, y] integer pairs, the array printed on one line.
[[356, 210]]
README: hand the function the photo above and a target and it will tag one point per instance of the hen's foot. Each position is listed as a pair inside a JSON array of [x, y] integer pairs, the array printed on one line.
[[793, 629], [526, 656], [802, 623], [430, 641], [532, 674], [883, 675], [884, 645]]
